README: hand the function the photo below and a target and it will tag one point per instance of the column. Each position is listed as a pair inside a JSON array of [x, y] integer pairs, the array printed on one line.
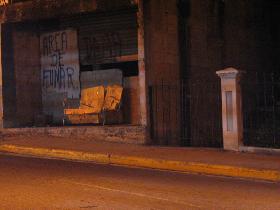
[[231, 109], [141, 65]]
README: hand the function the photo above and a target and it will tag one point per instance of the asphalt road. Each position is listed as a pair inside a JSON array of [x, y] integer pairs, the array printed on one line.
[[28, 183]]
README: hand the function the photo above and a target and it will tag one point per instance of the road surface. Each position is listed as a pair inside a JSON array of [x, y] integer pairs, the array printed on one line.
[[29, 183]]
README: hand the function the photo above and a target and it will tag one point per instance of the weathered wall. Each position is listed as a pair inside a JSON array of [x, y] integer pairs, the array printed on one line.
[[219, 34], [252, 45], [240, 34], [249, 35], [162, 67], [8, 76], [161, 28], [26, 57], [22, 77], [130, 103], [1, 81], [44, 9], [239, 37], [205, 48], [60, 71], [118, 134], [199, 104]]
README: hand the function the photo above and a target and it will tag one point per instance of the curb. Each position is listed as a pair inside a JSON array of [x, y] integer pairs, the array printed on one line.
[[179, 166]]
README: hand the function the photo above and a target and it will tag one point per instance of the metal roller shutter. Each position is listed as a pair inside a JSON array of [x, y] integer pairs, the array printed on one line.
[[104, 36]]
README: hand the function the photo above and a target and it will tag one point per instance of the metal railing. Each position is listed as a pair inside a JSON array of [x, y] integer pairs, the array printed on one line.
[[190, 114], [261, 109], [186, 114]]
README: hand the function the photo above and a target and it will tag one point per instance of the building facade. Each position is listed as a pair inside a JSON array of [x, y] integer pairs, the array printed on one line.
[[167, 52]]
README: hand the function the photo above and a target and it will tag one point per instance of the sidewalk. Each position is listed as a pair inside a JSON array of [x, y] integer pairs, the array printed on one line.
[[189, 160]]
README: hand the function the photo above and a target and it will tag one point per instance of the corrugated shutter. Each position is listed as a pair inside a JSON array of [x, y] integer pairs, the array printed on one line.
[[104, 36]]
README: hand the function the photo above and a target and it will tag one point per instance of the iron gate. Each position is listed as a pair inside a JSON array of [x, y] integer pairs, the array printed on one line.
[[261, 109], [186, 114]]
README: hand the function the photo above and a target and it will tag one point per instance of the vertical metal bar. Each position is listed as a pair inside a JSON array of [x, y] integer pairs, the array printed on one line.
[[182, 114], [264, 90], [162, 109], [183, 110], [168, 89], [273, 110], [255, 120], [151, 108], [156, 114], [189, 101], [190, 113]]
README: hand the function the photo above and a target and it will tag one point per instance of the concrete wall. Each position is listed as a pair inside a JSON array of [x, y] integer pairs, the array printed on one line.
[[8, 76], [161, 30], [22, 79], [118, 134], [1, 81], [219, 34], [44, 9], [21, 75], [130, 105], [252, 41], [205, 56], [26, 58], [162, 67], [240, 34], [166, 68], [249, 42]]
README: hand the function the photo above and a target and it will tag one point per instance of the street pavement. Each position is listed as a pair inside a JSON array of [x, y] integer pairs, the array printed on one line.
[[29, 183]]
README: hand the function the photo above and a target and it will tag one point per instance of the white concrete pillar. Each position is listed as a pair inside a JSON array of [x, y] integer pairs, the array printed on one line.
[[231, 109]]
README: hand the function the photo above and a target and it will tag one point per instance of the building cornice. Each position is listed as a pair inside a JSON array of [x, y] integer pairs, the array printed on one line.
[[45, 9]]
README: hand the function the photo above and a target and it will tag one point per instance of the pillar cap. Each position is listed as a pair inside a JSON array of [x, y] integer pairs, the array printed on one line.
[[229, 73]]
